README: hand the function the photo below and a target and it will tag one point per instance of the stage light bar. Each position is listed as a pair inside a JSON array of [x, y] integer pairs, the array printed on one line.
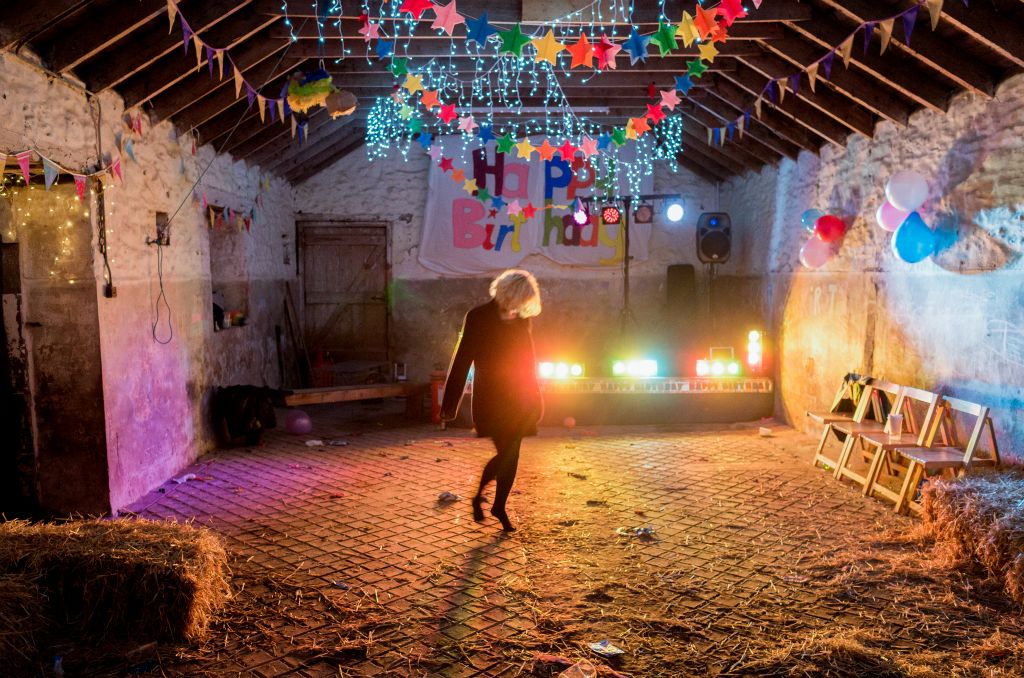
[[703, 368], [638, 369], [560, 370], [754, 349]]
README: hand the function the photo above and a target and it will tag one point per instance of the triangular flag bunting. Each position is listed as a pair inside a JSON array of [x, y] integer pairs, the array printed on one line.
[[49, 173], [710, 132], [812, 75], [782, 89], [79, 186], [293, 126], [869, 30], [24, 158], [209, 59], [935, 10], [885, 32], [846, 50], [129, 148], [238, 81], [826, 64], [263, 107], [280, 108], [115, 169], [741, 124], [757, 107], [273, 112], [199, 51], [909, 18], [172, 11], [186, 33], [220, 63], [250, 94], [794, 83]]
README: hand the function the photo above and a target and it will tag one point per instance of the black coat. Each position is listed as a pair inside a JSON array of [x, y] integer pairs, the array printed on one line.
[[506, 395]]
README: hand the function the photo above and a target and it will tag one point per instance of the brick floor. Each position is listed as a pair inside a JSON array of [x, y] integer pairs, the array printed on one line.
[[735, 519]]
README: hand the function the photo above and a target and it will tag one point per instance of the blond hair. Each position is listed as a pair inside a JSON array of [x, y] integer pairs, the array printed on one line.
[[517, 290]]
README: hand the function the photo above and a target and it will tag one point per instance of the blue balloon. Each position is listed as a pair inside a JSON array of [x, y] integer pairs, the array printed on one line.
[[913, 241], [809, 218]]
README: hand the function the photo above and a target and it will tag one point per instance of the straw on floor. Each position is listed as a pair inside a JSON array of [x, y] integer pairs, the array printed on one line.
[[22, 617]]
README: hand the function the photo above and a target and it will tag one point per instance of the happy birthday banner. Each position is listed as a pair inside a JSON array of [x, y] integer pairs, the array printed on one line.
[[516, 208]]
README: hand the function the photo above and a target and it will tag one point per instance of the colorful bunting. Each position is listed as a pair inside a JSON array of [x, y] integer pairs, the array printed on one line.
[[636, 45], [49, 173], [606, 51], [547, 48], [664, 38], [447, 17], [478, 30], [24, 158], [885, 31], [513, 41], [79, 186], [582, 52]]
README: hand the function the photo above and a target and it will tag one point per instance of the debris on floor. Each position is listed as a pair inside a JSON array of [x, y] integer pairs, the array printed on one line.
[[447, 497]]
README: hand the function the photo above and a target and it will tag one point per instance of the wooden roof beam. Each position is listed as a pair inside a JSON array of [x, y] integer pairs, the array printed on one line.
[[733, 153], [765, 154], [99, 30], [716, 161], [700, 169], [339, 133], [781, 125], [23, 20], [324, 160], [1000, 31], [757, 130], [753, 72]]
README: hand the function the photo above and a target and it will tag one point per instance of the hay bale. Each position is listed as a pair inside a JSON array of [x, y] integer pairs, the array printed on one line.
[[22, 618], [981, 517], [133, 578]]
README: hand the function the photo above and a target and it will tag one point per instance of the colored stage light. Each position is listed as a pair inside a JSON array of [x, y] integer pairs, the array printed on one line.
[[579, 214], [754, 336], [674, 211], [561, 370], [703, 368], [718, 368], [619, 368], [733, 368], [610, 214], [754, 348], [576, 370], [638, 369], [546, 370]]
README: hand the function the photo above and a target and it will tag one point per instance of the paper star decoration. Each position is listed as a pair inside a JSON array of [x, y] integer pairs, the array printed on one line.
[[447, 18], [588, 146], [483, 195], [548, 48], [429, 99], [467, 124], [434, 152], [485, 133], [415, 7], [405, 112], [665, 38], [708, 51], [478, 30], [695, 68], [514, 207], [669, 99], [567, 150], [684, 83], [582, 52], [730, 10], [512, 42], [655, 113], [546, 151], [445, 164], [631, 130], [399, 67], [384, 48], [618, 136], [370, 31], [640, 125], [425, 139], [506, 143], [604, 141], [525, 149], [415, 125], [704, 21], [636, 45], [469, 185], [686, 30], [497, 202], [458, 175], [529, 210], [447, 113], [413, 83], [606, 51]]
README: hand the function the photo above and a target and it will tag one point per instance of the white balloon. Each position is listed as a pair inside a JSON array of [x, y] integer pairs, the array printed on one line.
[[907, 190]]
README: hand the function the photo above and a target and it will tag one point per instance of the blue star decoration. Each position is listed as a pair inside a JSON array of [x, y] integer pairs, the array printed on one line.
[[384, 48], [604, 141], [684, 83], [637, 47], [479, 30], [486, 133], [497, 202], [425, 140]]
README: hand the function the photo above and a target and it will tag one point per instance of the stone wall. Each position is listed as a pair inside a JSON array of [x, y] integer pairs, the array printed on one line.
[[954, 322], [156, 345], [581, 317]]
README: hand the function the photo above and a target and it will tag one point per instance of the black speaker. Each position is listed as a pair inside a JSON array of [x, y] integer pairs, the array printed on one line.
[[714, 237]]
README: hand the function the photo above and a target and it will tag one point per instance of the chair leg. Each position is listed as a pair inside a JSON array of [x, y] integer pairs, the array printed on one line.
[[821, 445], [874, 470], [844, 456], [914, 472]]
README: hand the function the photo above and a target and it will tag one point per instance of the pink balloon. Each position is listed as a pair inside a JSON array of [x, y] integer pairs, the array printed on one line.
[[297, 422], [815, 253], [889, 216], [829, 228]]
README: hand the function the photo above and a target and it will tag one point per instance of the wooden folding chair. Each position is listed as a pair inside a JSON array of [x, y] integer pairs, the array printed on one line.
[[871, 397], [845, 391], [877, 445], [926, 459]]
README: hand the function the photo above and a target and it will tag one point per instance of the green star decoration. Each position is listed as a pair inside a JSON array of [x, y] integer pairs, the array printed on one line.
[[665, 38], [399, 67], [405, 112], [415, 125], [506, 143], [482, 195], [513, 41], [695, 68], [619, 136]]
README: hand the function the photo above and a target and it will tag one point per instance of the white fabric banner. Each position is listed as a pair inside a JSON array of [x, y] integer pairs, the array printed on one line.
[[463, 235]]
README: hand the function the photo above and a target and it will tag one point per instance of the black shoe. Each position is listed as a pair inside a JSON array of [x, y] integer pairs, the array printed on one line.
[[478, 512], [506, 524]]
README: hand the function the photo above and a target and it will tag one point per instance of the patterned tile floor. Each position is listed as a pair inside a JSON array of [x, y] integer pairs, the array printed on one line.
[[734, 516]]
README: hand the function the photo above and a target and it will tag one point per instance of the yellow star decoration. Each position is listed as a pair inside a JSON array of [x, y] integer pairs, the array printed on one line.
[[630, 132], [469, 185], [708, 52], [548, 48], [686, 29], [525, 149], [413, 83]]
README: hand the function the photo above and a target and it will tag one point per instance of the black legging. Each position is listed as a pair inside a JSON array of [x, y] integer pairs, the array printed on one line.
[[501, 467]]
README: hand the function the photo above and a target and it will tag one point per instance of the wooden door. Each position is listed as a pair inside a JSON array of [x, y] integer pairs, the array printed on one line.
[[343, 267]]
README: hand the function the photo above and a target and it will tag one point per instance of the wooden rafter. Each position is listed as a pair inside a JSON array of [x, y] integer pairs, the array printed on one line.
[[730, 151], [998, 28], [99, 30], [327, 158], [18, 24]]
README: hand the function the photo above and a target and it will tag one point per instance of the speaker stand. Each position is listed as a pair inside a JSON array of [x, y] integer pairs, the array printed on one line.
[[626, 317]]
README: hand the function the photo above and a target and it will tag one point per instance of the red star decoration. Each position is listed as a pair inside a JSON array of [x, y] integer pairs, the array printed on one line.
[[415, 7], [704, 21], [529, 210], [606, 51], [445, 164], [651, 91], [567, 150], [492, 213], [582, 52], [655, 113], [546, 150], [640, 125], [730, 10], [364, 18], [447, 113], [718, 33]]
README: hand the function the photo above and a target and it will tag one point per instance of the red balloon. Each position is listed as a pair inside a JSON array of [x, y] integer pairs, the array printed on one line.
[[829, 228]]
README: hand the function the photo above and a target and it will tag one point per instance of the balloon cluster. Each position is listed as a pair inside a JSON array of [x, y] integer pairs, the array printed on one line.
[[825, 230], [913, 240]]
